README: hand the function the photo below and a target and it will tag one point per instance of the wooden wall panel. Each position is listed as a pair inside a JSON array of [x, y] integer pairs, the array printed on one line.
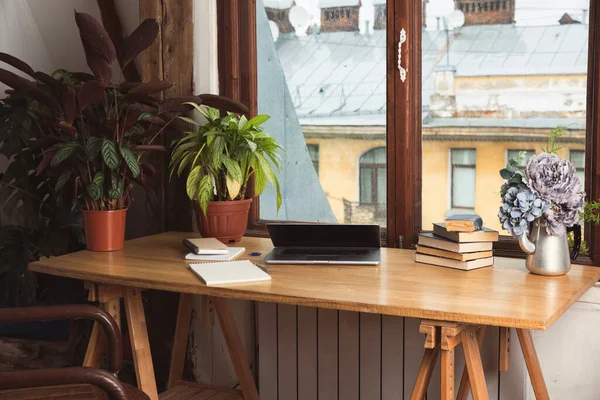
[[392, 357], [307, 353], [349, 370], [267, 351], [370, 356], [413, 352], [287, 352], [327, 361]]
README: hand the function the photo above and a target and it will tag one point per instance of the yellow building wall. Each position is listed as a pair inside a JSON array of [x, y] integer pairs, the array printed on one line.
[[338, 173]]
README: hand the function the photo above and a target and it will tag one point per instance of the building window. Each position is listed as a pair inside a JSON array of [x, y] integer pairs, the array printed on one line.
[[463, 178], [577, 157], [373, 176], [510, 154], [313, 152]]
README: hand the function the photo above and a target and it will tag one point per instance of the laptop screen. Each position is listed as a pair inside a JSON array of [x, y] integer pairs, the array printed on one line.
[[324, 235]]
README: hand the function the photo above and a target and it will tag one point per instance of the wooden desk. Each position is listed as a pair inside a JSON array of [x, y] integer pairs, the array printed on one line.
[[454, 305]]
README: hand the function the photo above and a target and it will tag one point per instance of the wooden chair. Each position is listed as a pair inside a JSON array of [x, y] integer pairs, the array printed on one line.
[[71, 382]]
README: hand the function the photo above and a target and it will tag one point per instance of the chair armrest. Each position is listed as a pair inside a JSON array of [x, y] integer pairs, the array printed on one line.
[[73, 311], [64, 376]]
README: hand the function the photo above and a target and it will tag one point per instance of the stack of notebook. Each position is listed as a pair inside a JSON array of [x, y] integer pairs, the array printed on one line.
[[466, 249]]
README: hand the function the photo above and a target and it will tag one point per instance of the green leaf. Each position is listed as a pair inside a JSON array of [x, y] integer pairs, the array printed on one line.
[[191, 185], [205, 192], [253, 146], [98, 179], [278, 191], [506, 174], [63, 153], [260, 182], [265, 167], [92, 147], [109, 154], [131, 161], [62, 179], [233, 169], [94, 191], [243, 123], [516, 179], [189, 121], [116, 188], [196, 106], [217, 149], [184, 162], [259, 120]]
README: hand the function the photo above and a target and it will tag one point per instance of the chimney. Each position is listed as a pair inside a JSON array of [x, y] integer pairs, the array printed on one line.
[[487, 12], [380, 14], [339, 15], [278, 11], [442, 103]]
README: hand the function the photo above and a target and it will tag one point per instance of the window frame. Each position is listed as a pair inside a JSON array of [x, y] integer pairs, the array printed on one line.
[[238, 80]]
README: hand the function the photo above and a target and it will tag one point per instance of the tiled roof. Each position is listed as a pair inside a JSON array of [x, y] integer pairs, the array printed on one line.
[[278, 4], [343, 73], [337, 3]]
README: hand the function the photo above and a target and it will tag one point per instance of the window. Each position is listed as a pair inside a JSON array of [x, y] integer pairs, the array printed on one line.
[[577, 157], [313, 151], [510, 154], [463, 178], [491, 92], [373, 173]]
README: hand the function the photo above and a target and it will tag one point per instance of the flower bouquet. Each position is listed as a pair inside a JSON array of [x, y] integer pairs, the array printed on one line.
[[540, 203]]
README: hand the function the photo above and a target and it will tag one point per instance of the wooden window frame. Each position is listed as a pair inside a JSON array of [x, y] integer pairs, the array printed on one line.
[[374, 168], [238, 80]]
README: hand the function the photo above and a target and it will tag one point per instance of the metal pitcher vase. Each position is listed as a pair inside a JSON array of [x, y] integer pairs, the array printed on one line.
[[548, 254]]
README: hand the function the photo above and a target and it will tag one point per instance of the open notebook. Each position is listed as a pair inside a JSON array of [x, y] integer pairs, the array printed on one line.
[[228, 272]]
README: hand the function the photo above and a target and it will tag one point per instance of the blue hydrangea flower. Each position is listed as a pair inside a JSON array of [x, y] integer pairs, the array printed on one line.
[[520, 206]]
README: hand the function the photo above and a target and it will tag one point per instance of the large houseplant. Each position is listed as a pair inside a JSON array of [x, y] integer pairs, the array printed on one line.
[[95, 132], [223, 157]]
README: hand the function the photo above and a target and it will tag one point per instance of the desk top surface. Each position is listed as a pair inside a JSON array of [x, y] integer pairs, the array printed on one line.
[[501, 295]]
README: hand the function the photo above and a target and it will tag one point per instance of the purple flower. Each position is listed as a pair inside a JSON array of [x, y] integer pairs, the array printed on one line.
[[553, 178]]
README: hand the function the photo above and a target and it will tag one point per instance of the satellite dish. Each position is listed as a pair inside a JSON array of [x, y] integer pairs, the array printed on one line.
[[274, 30], [300, 20], [456, 19]]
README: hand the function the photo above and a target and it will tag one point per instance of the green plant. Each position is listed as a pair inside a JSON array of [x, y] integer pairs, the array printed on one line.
[[222, 155], [555, 134], [94, 133]]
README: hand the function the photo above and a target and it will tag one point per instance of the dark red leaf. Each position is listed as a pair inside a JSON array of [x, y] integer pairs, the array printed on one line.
[[90, 116], [126, 86], [149, 170], [92, 92], [83, 76], [69, 105], [152, 120], [48, 140], [17, 63], [223, 104], [176, 105], [139, 40], [28, 88], [68, 129], [151, 87], [99, 49], [150, 147], [141, 98], [133, 113], [45, 161], [57, 87]]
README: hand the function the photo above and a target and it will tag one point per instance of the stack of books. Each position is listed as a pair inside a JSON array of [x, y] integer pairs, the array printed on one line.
[[457, 244]]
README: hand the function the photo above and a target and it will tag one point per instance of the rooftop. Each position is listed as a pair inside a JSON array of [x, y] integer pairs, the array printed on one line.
[[343, 73]]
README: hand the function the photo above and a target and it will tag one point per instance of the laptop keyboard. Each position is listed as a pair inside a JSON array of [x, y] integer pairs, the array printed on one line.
[[326, 251]]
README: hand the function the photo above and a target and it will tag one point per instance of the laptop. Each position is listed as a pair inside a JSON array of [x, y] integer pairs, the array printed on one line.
[[324, 244]]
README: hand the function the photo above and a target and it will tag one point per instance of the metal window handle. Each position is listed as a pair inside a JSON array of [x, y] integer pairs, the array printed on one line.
[[400, 42]]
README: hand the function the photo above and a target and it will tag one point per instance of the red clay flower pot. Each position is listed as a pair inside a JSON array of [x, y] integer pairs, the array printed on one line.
[[104, 230], [224, 220]]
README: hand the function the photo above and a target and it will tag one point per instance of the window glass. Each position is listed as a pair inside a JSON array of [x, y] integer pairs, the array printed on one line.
[[577, 157], [463, 178], [322, 79], [498, 84]]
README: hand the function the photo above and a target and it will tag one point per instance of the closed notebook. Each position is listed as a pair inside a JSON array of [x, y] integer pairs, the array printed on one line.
[[232, 253], [430, 240], [483, 235], [205, 246], [445, 262], [229, 272], [453, 255]]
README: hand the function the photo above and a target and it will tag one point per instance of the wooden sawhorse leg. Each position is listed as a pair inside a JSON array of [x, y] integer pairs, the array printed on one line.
[[109, 297], [230, 332]]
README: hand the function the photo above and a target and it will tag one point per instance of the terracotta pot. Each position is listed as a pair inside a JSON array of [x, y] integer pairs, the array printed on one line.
[[224, 220], [104, 230]]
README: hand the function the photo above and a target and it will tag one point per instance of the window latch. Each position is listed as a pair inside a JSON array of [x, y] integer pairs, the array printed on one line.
[[401, 41]]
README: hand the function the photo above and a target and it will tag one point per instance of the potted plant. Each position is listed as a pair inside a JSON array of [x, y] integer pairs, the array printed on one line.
[[95, 133], [540, 203], [223, 157]]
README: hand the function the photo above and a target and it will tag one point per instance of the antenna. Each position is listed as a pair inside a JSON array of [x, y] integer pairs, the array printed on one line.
[[300, 20]]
